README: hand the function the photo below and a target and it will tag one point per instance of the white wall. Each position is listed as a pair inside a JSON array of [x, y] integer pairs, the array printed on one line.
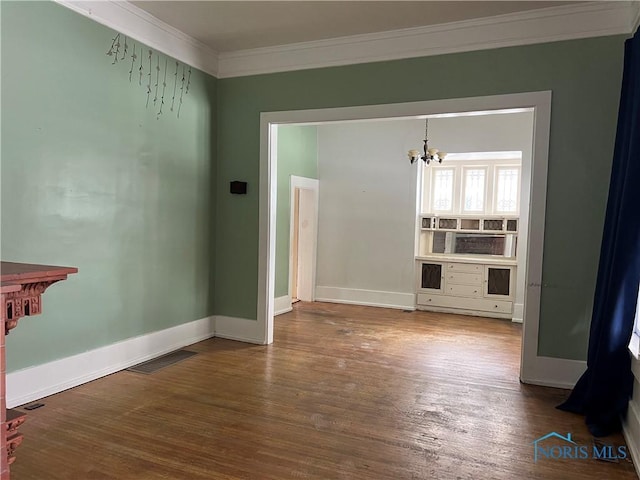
[[483, 133], [367, 208]]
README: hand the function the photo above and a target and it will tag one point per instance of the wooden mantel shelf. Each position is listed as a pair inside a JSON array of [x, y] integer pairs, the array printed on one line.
[[12, 271], [21, 286]]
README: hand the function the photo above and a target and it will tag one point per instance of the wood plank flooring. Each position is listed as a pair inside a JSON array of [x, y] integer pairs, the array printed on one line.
[[345, 392]]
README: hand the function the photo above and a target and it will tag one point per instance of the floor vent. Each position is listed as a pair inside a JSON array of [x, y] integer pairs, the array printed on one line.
[[152, 366]]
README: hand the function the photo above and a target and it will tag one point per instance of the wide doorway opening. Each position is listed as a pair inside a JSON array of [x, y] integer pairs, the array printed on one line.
[[523, 253]]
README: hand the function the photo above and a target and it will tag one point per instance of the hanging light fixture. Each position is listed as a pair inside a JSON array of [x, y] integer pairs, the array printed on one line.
[[428, 154]]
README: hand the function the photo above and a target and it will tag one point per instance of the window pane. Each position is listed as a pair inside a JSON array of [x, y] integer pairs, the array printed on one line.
[[443, 189], [507, 190], [474, 190]]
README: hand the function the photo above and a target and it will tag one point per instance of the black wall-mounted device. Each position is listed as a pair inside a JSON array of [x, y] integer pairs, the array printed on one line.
[[238, 187]]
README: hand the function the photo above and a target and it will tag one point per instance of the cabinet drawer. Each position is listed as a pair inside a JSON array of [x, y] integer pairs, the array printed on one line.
[[477, 304], [464, 278], [464, 267], [464, 290], [500, 306]]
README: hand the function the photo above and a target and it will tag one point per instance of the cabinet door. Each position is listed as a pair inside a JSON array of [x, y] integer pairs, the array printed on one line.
[[498, 281], [431, 276]]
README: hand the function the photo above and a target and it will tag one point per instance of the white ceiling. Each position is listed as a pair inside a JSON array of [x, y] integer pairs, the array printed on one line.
[[236, 25]]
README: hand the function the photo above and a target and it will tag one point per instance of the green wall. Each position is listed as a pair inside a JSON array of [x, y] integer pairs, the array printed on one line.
[[585, 77], [90, 178], [141, 205], [297, 155]]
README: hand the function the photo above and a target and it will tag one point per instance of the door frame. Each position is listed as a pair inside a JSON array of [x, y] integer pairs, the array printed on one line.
[[303, 183], [533, 368]]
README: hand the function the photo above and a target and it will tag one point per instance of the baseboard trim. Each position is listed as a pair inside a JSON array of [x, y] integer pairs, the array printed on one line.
[[554, 372], [40, 381], [282, 305], [518, 313], [240, 329], [631, 429], [371, 298]]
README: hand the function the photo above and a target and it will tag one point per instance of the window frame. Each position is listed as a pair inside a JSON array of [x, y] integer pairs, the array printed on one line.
[[432, 181], [496, 170], [486, 188], [491, 166]]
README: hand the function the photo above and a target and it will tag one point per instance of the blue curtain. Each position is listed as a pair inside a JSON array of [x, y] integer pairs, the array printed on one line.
[[603, 392]]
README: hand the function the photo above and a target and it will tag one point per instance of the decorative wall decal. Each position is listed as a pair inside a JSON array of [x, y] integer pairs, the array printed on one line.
[[116, 52], [133, 61], [164, 87], [140, 70], [155, 98], [111, 50], [119, 51], [175, 84], [181, 92], [124, 53], [149, 80]]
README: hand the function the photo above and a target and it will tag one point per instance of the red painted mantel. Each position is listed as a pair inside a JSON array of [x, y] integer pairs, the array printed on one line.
[[21, 285]]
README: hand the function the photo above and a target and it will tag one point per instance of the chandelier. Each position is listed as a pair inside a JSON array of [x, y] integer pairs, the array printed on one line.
[[428, 154]]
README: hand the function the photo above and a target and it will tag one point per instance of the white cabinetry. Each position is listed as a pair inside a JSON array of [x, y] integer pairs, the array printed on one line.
[[470, 287]]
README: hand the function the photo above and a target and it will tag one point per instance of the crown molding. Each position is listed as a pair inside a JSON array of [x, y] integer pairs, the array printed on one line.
[[538, 26], [525, 28], [135, 23]]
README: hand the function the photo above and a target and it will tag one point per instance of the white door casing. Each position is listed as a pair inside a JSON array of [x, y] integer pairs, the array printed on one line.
[[534, 368]]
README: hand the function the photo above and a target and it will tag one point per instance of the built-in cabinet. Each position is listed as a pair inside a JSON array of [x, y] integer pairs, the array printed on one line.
[[483, 289], [467, 265]]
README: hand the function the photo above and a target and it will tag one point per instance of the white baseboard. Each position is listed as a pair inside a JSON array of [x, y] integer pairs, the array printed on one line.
[[241, 329], [631, 428], [371, 298], [554, 372], [518, 313], [36, 382], [282, 305]]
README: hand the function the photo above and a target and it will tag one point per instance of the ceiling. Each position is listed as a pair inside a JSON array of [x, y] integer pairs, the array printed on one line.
[[237, 25]]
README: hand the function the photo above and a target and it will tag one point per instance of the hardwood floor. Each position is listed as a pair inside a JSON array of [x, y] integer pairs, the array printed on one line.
[[345, 392]]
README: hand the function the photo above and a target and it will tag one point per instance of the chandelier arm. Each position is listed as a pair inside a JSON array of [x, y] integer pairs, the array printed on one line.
[[426, 140], [428, 154]]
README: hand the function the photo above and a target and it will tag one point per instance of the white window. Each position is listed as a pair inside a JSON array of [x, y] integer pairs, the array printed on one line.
[[442, 188], [474, 188], [634, 346], [507, 181]]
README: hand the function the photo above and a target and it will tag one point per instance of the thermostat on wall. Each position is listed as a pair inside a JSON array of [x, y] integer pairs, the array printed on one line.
[[238, 187]]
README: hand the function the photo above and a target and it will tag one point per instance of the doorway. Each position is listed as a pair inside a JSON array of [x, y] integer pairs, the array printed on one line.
[[303, 226], [534, 368]]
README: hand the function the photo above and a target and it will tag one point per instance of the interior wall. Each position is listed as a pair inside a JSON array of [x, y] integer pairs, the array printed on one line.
[[583, 119], [91, 178], [481, 133], [297, 155], [367, 205]]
